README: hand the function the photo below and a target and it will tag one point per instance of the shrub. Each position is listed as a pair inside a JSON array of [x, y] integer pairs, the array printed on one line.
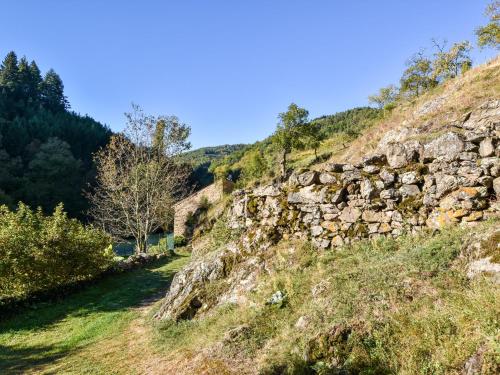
[[160, 248], [179, 241], [39, 253]]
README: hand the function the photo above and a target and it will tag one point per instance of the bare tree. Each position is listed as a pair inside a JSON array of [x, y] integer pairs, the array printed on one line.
[[138, 177]]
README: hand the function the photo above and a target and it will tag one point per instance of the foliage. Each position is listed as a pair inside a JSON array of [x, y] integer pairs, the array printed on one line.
[[385, 96], [36, 129], [489, 35], [259, 160], [313, 136], [40, 253], [202, 159], [180, 241], [160, 248], [417, 77], [138, 178], [289, 132], [352, 119], [449, 64]]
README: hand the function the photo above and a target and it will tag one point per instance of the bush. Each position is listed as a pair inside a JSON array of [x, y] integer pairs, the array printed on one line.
[[179, 241], [39, 253], [160, 248]]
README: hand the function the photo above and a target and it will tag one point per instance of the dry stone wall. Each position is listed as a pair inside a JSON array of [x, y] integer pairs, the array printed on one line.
[[406, 186]]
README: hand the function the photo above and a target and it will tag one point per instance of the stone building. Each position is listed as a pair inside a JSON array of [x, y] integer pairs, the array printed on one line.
[[183, 209]]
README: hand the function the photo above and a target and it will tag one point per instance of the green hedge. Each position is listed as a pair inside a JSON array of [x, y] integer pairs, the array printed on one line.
[[40, 253]]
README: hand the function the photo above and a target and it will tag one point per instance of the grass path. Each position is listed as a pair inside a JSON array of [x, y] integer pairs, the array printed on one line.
[[103, 329]]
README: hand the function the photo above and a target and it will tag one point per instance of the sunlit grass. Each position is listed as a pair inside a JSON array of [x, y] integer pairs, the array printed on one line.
[[56, 332]]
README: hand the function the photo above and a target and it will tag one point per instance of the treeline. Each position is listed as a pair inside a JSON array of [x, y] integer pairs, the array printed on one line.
[[294, 132], [200, 160], [45, 149]]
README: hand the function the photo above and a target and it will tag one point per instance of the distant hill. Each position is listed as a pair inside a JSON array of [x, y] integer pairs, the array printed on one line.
[[201, 159]]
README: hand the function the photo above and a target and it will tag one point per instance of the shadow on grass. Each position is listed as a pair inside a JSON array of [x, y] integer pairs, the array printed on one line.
[[119, 292], [19, 360]]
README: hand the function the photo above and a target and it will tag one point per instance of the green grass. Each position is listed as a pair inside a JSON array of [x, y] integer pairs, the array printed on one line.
[[51, 332], [407, 304]]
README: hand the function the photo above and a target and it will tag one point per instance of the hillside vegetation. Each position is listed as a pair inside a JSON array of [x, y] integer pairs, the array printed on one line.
[[301, 292], [390, 306], [45, 149]]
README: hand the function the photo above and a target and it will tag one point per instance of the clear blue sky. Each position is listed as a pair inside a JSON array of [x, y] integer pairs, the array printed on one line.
[[228, 68]]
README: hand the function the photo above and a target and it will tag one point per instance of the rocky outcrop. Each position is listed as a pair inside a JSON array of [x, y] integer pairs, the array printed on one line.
[[405, 187]]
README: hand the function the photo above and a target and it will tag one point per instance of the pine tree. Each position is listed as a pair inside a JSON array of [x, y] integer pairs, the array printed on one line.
[[9, 71], [24, 77], [53, 92], [35, 82]]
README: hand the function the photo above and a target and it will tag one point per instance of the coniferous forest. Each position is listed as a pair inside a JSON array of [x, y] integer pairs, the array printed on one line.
[[45, 148]]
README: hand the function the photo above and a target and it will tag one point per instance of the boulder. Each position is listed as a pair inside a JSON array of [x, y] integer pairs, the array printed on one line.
[[183, 298], [334, 167], [327, 178], [339, 196], [374, 159], [445, 184], [371, 169], [267, 191], [409, 190], [350, 214], [307, 178], [486, 147], [409, 178], [316, 230], [367, 189], [375, 217], [351, 176], [308, 194], [439, 219], [320, 243], [387, 177], [447, 147], [400, 155], [389, 194]]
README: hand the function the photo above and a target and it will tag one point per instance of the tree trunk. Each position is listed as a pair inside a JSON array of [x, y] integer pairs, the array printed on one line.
[[315, 154], [283, 165], [141, 245]]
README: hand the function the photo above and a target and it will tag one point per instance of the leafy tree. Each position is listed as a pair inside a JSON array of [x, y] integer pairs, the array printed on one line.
[[417, 77], [449, 64], [255, 164], [289, 132], [385, 96], [138, 180], [489, 35], [54, 176], [313, 136]]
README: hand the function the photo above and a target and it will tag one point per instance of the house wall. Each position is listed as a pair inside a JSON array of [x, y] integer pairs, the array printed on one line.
[[184, 208]]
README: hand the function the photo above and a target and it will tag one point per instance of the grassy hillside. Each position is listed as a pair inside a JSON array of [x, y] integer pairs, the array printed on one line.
[[432, 111], [421, 315], [259, 162], [390, 306]]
